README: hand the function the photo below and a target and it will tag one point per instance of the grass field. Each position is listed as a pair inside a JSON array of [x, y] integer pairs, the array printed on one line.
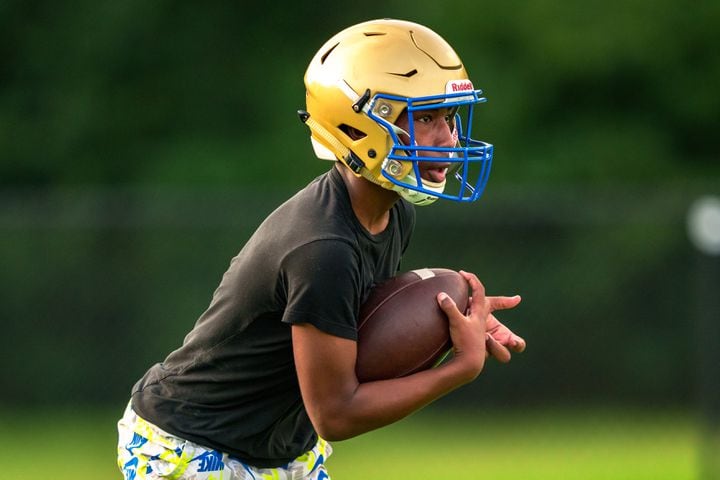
[[527, 445]]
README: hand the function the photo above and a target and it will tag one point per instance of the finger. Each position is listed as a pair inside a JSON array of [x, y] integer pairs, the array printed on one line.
[[472, 279], [517, 344], [477, 289], [503, 303], [504, 335], [496, 349]]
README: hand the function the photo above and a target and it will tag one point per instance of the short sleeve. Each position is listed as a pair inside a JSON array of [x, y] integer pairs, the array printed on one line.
[[321, 280]]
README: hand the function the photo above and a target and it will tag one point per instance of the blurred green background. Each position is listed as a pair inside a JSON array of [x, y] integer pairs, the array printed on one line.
[[142, 142]]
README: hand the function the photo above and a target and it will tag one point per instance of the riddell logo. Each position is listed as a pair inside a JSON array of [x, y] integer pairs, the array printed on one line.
[[461, 86]]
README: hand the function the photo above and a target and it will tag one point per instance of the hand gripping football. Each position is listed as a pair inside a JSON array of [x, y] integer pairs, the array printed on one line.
[[401, 328]]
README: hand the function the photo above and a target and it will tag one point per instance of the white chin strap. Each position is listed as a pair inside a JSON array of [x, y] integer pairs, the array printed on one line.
[[413, 196], [419, 198]]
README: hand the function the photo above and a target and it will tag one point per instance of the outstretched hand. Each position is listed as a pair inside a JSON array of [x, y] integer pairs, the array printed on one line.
[[477, 332], [500, 341]]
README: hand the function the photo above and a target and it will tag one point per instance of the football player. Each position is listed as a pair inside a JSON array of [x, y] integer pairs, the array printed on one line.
[[267, 375]]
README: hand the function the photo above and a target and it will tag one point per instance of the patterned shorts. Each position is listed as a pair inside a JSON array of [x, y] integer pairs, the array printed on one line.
[[145, 452]]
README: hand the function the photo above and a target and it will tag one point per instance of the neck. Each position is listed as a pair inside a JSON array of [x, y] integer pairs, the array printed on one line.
[[370, 202]]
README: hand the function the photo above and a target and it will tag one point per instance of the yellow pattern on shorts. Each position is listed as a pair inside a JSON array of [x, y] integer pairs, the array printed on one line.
[[146, 452]]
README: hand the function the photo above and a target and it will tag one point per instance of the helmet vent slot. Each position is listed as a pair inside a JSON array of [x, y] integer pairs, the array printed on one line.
[[374, 34], [406, 75], [327, 54]]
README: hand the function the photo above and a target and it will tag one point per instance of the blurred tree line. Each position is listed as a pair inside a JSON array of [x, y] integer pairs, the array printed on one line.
[[175, 92], [142, 142]]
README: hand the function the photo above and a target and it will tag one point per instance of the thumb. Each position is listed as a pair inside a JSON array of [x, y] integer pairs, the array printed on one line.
[[445, 302]]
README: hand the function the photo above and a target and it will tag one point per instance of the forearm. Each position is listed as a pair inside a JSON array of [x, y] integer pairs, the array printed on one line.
[[340, 407], [376, 404]]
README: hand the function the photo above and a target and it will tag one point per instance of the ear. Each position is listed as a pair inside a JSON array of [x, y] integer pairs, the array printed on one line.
[[352, 132]]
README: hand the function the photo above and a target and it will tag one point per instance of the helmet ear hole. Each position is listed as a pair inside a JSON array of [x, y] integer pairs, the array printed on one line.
[[352, 132]]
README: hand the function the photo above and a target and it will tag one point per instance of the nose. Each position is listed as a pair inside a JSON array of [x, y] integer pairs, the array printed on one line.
[[444, 136]]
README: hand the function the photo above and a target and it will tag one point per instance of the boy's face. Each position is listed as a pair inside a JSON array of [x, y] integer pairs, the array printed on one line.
[[433, 127]]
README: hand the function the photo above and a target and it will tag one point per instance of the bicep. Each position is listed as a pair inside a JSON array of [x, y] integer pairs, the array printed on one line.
[[325, 367]]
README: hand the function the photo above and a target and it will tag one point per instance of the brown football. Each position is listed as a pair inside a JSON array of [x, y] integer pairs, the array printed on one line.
[[401, 328]]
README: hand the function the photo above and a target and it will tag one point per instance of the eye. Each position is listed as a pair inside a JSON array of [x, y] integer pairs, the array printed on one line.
[[424, 118]]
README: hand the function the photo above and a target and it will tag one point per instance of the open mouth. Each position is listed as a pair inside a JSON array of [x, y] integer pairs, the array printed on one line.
[[434, 172]]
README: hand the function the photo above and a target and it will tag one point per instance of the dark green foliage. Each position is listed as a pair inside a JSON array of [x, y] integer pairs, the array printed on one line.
[[205, 94], [142, 142]]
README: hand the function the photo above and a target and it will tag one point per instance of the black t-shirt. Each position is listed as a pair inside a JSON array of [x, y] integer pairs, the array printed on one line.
[[232, 385]]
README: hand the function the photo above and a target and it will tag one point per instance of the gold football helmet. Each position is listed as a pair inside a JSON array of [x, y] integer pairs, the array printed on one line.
[[364, 78]]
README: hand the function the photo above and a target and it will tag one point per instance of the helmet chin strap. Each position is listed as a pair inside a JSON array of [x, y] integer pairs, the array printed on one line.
[[413, 196], [419, 198]]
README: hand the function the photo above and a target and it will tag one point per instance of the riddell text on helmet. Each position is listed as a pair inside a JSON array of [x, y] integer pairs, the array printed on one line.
[[461, 86]]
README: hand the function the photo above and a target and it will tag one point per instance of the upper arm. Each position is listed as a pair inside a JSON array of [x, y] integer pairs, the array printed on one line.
[[325, 367], [322, 284]]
